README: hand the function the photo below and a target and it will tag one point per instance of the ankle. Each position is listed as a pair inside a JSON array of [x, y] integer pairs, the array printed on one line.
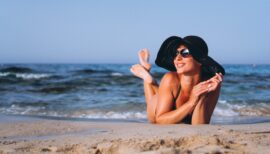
[[150, 80]]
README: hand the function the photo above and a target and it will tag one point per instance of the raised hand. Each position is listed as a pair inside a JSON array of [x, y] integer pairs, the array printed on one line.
[[206, 86], [214, 82]]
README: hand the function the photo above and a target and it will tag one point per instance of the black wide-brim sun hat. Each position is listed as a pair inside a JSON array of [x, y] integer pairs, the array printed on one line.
[[198, 49]]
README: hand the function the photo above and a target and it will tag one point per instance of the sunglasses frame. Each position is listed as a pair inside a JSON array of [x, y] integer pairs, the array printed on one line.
[[181, 53]]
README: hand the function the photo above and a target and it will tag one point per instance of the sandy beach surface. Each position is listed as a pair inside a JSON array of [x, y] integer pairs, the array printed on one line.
[[20, 134]]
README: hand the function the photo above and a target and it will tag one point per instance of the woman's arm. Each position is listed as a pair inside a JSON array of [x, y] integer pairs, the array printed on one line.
[[164, 112], [207, 103]]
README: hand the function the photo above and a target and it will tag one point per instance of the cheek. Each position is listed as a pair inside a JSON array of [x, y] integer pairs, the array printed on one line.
[[192, 64], [174, 61]]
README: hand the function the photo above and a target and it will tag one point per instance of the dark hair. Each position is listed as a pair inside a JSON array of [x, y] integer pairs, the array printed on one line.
[[205, 75]]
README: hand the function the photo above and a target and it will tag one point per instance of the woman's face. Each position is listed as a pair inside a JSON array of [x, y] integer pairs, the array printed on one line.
[[187, 64]]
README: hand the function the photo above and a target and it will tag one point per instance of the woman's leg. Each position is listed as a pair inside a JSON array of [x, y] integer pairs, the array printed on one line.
[[151, 100], [150, 90], [150, 85]]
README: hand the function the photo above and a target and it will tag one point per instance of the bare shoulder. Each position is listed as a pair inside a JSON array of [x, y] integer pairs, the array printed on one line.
[[170, 78]]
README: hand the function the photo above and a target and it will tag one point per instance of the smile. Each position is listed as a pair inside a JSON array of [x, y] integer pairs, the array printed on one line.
[[180, 65]]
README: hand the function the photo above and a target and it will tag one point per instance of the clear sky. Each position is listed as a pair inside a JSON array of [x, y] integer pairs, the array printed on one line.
[[112, 31]]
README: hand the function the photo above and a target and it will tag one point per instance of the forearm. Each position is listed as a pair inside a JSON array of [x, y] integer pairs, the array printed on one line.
[[205, 107], [200, 112], [177, 115]]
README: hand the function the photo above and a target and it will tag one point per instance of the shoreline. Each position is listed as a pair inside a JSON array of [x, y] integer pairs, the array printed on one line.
[[227, 120], [20, 134]]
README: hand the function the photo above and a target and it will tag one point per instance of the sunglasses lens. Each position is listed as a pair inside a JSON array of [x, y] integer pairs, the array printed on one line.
[[185, 53]]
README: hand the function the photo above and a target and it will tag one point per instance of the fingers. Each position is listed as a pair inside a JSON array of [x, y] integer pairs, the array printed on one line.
[[220, 76], [213, 85], [208, 85], [215, 81], [202, 91], [201, 88]]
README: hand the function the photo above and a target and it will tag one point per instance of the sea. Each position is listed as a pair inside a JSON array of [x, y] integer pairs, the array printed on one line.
[[110, 92]]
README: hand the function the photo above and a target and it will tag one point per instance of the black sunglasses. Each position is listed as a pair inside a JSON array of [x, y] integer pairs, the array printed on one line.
[[184, 53]]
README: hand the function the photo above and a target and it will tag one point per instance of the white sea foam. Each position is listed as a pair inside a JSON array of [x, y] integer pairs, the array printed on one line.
[[116, 74], [225, 108], [41, 111], [116, 115], [31, 76], [4, 74], [26, 76], [224, 112], [221, 110], [222, 101]]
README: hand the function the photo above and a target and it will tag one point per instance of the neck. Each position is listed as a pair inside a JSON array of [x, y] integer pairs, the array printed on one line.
[[190, 80]]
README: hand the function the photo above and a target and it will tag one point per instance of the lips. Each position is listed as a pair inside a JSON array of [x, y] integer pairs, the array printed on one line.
[[179, 65]]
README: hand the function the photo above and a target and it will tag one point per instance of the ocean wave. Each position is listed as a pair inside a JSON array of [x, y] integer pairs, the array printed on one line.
[[116, 74], [32, 76], [55, 89], [258, 110], [91, 71], [25, 76], [116, 115], [85, 71], [4, 74], [224, 108], [126, 115], [41, 111], [14, 69], [25, 110]]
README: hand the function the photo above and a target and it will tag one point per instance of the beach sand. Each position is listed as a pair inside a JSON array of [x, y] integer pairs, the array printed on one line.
[[20, 134]]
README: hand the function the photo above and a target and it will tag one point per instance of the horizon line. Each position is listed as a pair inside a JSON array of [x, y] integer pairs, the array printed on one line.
[[123, 63]]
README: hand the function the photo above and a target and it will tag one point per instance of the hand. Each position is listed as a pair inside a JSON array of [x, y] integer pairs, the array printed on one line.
[[199, 89], [214, 82], [207, 86]]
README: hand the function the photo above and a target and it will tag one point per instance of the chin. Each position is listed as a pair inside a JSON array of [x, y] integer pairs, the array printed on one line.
[[180, 71], [183, 70]]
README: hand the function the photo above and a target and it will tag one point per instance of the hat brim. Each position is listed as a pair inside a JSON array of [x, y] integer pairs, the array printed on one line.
[[167, 51], [165, 54], [209, 65]]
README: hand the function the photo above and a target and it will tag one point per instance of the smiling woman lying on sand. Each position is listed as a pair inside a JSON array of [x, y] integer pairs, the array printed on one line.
[[190, 91]]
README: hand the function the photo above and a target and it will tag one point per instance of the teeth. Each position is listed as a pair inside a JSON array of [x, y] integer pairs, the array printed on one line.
[[180, 65]]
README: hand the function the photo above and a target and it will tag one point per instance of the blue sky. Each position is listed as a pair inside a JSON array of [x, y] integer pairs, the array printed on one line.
[[99, 31]]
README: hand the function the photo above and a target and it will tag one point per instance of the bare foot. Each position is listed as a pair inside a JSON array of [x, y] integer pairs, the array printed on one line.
[[139, 71], [144, 58]]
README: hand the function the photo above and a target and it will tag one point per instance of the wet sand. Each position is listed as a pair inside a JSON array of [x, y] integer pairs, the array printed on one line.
[[20, 134]]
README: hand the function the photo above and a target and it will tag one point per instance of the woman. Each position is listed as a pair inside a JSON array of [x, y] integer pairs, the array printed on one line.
[[190, 91]]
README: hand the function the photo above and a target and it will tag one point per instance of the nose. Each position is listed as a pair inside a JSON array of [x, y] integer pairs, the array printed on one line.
[[178, 57]]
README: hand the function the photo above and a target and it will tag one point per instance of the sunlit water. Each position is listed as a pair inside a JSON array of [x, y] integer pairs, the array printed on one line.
[[109, 91]]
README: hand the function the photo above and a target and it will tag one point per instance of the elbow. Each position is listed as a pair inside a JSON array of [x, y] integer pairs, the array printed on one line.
[[160, 120], [156, 120], [152, 121]]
